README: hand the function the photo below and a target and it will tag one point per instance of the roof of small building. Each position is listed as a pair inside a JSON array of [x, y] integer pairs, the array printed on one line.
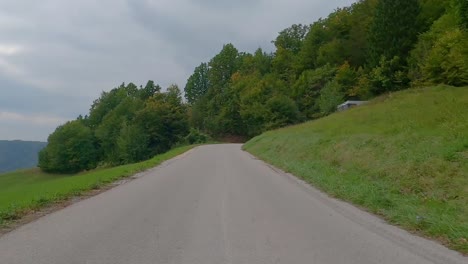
[[352, 103]]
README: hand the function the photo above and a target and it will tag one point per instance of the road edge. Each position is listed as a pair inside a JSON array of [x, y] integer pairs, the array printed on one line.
[[33, 215], [375, 223]]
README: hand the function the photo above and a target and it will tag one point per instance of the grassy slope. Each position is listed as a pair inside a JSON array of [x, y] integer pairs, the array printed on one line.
[[403, 156], [31, 189]]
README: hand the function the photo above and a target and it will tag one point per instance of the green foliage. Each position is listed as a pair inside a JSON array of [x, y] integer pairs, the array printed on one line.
[[447, 62], [149, 90], [198, 114], [108, 130], [356, 52], [288, 44], [282, 111], [283, 64], [163, 120], [340, 88], [196, 137], [461, 9], [257, 63], [313, 69], [336, 49], [431, 11], [26, 190], [71, 148], [315, 38], [255, 117], [330, 97], [104, 104], [363, 87], [222, 67], [217, 102], [340, 37], [127, 124], [388, 76], [394, 30], [307, 88], [347, 77], [403, 156], [254, 89], [198, 84], [441, 54], [132, 144], [228, 121], [291, 38]]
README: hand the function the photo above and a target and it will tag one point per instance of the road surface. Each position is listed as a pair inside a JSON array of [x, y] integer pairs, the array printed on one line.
[[215, 204]]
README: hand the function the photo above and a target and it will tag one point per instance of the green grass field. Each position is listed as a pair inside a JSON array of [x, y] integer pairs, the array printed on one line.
[[403, 156], [27, 190]]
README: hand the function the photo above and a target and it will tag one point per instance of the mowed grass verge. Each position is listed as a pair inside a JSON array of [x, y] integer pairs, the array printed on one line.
[[26, 190], [403, 156]]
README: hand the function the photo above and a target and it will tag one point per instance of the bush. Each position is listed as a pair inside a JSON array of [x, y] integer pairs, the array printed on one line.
[[388, 76], [362, 88], [132, 144], [447, 62], [306, 90], [283, 111], [441, 55], [461, 7], [330, 97], [196, 137], [71, 149]]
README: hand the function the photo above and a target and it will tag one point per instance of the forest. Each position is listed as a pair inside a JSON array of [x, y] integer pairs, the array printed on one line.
[[358, 52]]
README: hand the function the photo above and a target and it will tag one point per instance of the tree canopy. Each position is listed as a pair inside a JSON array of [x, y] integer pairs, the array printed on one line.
[[355, 53], [127, 124]]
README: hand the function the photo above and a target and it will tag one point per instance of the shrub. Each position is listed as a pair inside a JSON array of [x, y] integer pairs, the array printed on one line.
[[132, 144], [196, 137], [283, 111], [330, 97], [71, 149], [447, 62], [388, 76]]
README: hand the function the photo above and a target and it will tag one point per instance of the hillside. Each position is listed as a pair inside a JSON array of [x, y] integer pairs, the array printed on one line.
[[19, 154], [403, 156]]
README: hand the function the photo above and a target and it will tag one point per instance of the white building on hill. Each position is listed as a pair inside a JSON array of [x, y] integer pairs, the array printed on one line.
[[349, 104]]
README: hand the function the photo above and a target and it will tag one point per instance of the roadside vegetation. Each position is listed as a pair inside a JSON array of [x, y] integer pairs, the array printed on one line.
[[358, 52], [28, 190], [403, 156], [126, 125]]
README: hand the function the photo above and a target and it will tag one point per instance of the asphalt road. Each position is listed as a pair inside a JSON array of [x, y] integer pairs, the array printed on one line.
[[215, 204]]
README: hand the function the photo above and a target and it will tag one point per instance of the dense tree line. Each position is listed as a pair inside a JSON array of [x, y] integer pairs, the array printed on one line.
[[357, 52], [125, 125]]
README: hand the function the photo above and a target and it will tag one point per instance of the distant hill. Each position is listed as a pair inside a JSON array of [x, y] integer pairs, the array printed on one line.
[[18, 154]]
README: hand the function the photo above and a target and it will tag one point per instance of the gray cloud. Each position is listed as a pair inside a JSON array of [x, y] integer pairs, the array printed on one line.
[[56, 56]]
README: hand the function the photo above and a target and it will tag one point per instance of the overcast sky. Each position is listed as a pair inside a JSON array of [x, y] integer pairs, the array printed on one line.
[[57, 56]]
